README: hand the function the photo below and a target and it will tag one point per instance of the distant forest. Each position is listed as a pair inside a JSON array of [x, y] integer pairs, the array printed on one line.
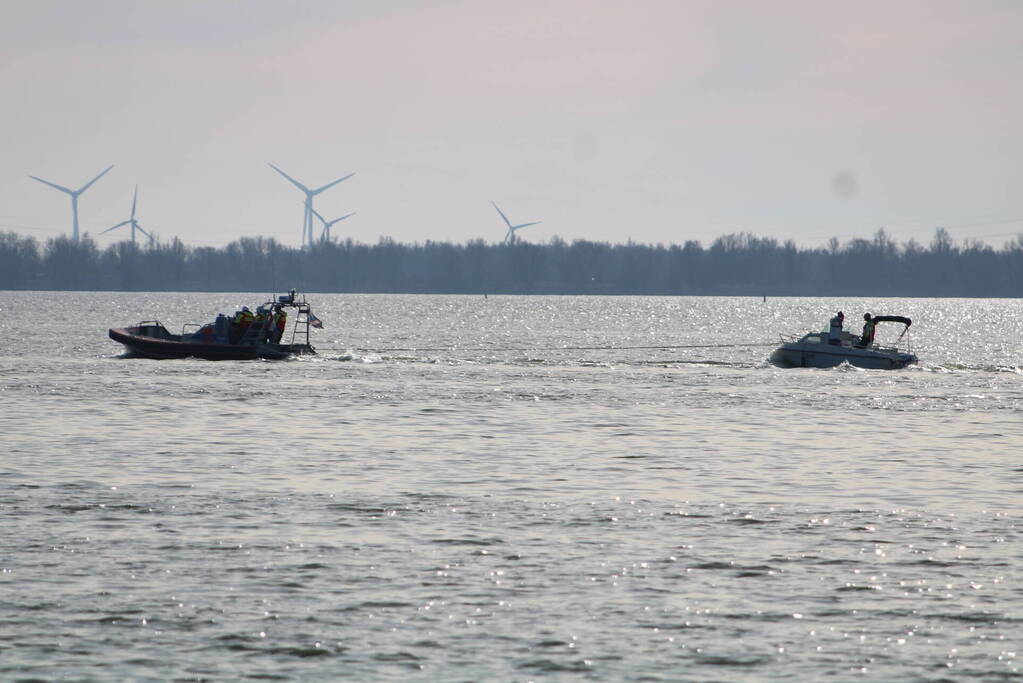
[[735, 264]]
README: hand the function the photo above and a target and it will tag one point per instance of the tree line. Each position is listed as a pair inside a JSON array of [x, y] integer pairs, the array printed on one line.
[[734, 264]]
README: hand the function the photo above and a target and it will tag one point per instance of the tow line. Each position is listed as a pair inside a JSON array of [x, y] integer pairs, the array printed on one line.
[[560, 348]]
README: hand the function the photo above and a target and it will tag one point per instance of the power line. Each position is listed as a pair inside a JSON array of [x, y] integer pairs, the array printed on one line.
[[804, 238], [973, 225], [12, 226], [934, 224], [560, 348], [36, 228]]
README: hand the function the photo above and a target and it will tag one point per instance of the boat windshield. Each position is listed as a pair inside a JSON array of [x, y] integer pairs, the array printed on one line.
[[812, 338]]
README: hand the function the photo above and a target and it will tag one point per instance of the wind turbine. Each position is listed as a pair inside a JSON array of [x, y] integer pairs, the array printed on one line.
[[509, 237], [325, 235], [307, 220], [74, 197], [131, 221]]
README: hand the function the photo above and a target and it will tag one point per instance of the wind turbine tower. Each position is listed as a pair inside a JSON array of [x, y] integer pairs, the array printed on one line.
[[509, 237], [131, 221], [325, 235], [307, 219], [74, 197]]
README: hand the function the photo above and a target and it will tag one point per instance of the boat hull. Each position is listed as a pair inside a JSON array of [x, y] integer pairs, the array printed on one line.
[[797, 355], [143, 345]]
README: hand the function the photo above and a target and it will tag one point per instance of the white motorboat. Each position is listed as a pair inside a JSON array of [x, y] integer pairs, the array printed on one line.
[[820, 350]]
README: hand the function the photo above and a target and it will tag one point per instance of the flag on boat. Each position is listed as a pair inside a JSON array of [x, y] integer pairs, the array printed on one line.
[[314, 321]]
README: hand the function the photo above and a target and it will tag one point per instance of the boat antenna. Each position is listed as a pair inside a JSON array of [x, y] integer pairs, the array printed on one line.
[[273, 271]]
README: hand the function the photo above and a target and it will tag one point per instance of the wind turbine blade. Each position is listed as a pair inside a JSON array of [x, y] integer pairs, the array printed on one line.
[[506, 221], [134, 197], [53, 185], [525, 225], [293, 181], [330, 185], [117, 226], [317, 214], [139, 228], [338, 220], [89, 184]]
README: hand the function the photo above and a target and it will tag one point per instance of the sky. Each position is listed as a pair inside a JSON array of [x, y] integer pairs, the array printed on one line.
[[659, 122]]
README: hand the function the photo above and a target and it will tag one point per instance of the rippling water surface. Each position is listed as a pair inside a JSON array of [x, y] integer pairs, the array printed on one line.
[[469, 488]]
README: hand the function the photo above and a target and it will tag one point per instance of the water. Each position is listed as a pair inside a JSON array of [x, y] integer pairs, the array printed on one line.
[[494, 505]]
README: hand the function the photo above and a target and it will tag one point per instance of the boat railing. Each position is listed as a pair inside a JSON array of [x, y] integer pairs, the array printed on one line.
[[894, 348], [886, 348], [152, 327], [184, 328], [903, 347], [796, 338]]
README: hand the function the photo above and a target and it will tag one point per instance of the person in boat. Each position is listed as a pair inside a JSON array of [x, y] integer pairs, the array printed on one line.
[[835, 331], [240, 323], [280, 324], [867, 337], [234, 330], [260, 322], [248, 319]]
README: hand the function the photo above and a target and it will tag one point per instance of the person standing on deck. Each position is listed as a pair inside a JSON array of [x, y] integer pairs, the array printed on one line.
[[282, 323], [835, 333], [867, 338]]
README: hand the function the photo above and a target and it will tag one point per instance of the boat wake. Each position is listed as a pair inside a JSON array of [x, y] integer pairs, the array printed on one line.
[[948, 368]]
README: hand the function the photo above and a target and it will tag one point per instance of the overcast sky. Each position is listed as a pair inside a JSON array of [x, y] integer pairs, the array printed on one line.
[[655, 121]]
